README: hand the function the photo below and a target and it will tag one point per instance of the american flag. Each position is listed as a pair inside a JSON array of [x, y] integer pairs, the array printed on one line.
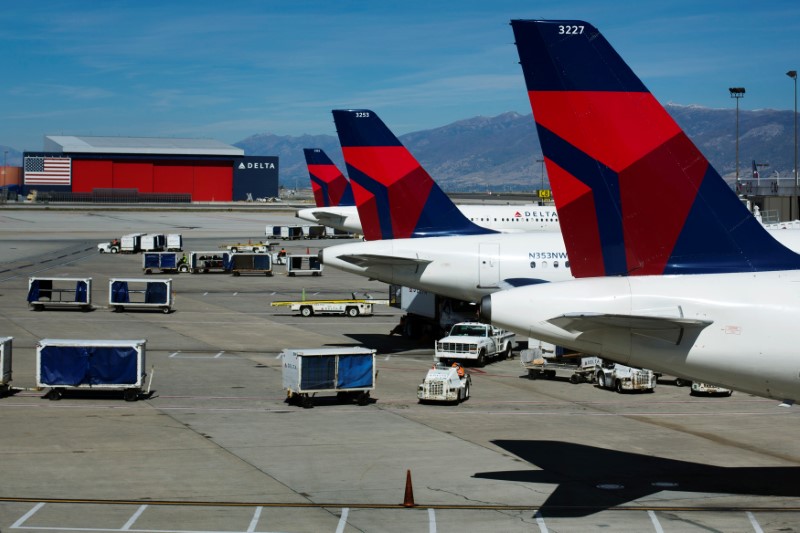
[[48, 170]]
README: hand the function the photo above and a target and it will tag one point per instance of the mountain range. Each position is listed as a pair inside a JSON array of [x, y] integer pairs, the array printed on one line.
[[503, 152]]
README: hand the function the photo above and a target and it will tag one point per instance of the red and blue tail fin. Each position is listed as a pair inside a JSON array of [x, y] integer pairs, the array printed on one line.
[[634, 195], [329, 185], [395, 196]]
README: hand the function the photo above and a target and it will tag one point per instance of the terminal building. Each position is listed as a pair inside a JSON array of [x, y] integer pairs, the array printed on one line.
[[198, 170]]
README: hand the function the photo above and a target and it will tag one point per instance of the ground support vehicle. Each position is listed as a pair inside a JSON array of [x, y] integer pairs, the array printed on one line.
[[351, 308], [443, 384], [474, 341], [623, 378], [428, 316], [257, 248], [127, 293], [349, 372], [131, 243], [60, 292], [110, 247], [251, 263], [163, 262], [285, 232], [5, 365], [708, 389], [64, 364], [304, 264], [577, 368], [174, 242], [205, 262], [334, 233], [153, 242]]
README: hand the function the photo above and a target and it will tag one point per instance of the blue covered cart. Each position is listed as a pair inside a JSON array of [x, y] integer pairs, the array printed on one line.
[[60, 292], [126, 293], [349, 372]]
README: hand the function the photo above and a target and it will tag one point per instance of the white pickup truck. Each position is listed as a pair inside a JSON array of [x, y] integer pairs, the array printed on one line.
[[474, 341], [623, 378]]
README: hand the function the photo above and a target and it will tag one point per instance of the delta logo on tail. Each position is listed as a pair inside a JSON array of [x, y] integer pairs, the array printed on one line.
[[640, 198], [328, 184], [384, 176]]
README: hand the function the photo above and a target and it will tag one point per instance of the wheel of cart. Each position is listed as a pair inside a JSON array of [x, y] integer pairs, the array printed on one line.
[[38, 307], [119, 308], [55, 394], [576, 379], [352, 312], [306, 311], [306, 401], [166, 310], [131, 395], [363, 398], [533, 373]]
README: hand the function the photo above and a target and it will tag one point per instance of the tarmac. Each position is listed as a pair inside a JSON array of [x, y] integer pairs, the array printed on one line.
[[215, 447]]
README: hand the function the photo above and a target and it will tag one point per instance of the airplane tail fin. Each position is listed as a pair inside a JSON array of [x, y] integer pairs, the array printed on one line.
[[634, 195], [329, 185], [395, 196]]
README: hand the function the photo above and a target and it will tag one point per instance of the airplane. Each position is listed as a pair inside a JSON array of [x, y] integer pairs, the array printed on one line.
[[333, 195], [381, 159], [674, 273]]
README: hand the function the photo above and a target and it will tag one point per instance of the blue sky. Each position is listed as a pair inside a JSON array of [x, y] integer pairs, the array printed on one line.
[[228, 70]]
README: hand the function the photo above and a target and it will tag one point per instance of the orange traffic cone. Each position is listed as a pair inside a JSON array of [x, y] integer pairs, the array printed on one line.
[[408, 501]]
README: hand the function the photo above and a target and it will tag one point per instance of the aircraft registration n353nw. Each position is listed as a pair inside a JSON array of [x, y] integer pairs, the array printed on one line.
[[677, 275]]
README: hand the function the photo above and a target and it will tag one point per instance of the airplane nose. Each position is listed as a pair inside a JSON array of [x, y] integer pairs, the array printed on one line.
[[485, 312]]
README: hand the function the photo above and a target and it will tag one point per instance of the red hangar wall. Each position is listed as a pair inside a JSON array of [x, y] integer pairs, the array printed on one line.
[[203, 168]]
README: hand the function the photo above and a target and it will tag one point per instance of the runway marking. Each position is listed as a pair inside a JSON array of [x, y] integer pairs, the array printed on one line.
[[431, 521], [27, 515], [133, 518], [342, 520], [279, 355], [173, 354], [656, 523], [235, 293], [254, 522], [219, 354], [754, 522], [540, 522]]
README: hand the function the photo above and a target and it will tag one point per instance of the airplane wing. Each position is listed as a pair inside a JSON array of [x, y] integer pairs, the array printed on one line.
[[668, 329], [368, 260], [328, 219]]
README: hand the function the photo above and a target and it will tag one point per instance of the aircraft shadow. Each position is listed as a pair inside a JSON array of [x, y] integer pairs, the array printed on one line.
[[589, 479]]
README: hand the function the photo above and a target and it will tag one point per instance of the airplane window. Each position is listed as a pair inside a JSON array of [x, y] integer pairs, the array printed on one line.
[[566, 264], [544, 264], [533, 264], [555, 264]]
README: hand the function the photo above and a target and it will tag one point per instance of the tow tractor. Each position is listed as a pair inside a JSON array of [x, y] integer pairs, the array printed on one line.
[[352, 307], [443, 384]]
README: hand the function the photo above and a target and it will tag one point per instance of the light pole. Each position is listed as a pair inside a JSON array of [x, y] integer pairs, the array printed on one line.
[[737, 92], [542, 162], [793, 74]]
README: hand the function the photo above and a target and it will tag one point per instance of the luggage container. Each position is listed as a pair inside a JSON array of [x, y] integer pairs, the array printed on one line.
[[205, 262], [303, 263], [174, 242], [63, 364], [161, 262], [131, 243], [349, 372], [5, 365], [285, 232], [153, 242], [251, 263], [60, 292], [313, 232], [140, 294]]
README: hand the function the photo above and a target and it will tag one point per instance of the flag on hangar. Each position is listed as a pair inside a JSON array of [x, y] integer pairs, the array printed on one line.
[[48, 170]]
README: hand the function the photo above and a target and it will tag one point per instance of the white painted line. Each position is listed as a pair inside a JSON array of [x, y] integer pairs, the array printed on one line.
[[388, 355], [27, 515], [173, 354], [205, 294], [540, 522], [133, 518], [342, 520], [236, 294], [754, 522], [279, 355], [656, 523], [219, 354], [254, 521], [431, 521]]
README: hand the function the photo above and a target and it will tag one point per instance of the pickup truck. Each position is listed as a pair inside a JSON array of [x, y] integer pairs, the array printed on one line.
[[623, 378], [474, 341]]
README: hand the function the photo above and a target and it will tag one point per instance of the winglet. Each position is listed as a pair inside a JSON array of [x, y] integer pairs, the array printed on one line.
[[395, 196], [329, 185], [634, 195]]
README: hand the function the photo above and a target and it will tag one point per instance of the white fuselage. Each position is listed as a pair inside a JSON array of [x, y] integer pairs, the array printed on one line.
[[753, 317], [465, 268], [502, 218]]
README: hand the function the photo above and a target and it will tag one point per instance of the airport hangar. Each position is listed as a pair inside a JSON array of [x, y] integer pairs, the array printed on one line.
[[200, 170]]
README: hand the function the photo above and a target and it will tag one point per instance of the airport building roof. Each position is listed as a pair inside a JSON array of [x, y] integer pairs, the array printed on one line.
[[73, 144]]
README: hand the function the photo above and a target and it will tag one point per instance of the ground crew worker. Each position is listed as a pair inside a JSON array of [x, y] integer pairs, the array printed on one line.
[[183, 260], [459, 369]]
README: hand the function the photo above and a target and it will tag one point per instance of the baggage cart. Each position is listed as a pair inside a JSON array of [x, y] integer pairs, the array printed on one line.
[[5, 365], [349, 372], [285, 232], [163, 262], [303, 263], [205, 262], [127, 293], [60, 292], [64, 364], [251, 263]]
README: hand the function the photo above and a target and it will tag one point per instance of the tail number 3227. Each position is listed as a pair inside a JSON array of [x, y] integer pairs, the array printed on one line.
[[570, 30]]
